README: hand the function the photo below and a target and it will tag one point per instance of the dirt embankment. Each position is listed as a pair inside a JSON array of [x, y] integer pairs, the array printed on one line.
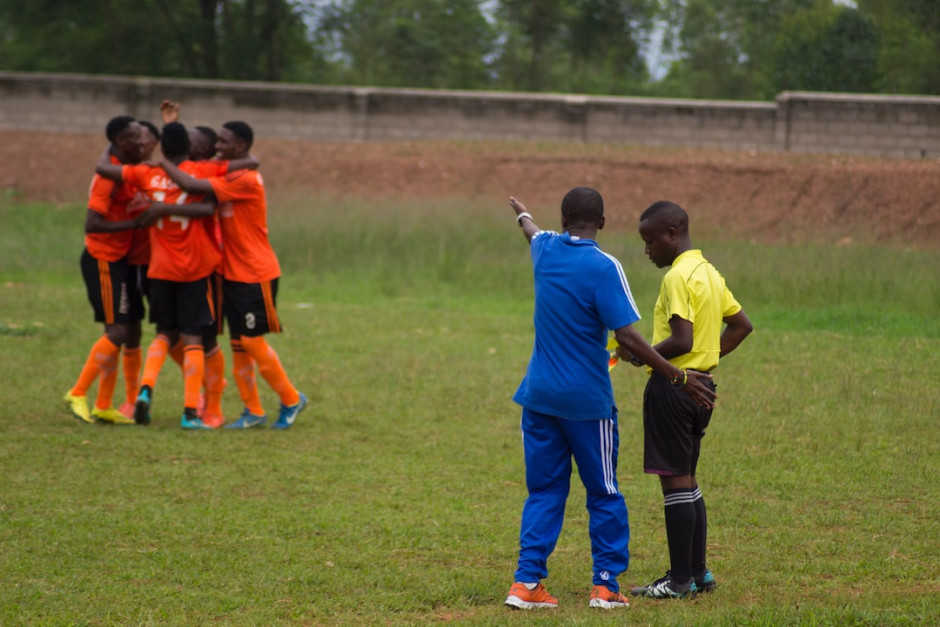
[[767, 197]]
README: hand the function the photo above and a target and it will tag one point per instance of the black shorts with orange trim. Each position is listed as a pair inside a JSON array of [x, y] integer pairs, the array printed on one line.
[[184, 307], [108, 286], [251, 308], [673, 428], [139, 288]]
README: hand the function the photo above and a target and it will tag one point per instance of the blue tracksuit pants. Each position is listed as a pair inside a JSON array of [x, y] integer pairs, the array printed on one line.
[[549, 444]]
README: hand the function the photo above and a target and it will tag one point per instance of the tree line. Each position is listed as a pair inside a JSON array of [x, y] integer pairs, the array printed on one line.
[[722, 49]]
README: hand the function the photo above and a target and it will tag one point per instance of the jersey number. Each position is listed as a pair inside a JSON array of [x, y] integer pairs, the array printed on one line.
[[181, 220]]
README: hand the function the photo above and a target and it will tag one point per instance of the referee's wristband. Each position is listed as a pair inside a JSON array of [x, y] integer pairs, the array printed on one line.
[[524, 214]]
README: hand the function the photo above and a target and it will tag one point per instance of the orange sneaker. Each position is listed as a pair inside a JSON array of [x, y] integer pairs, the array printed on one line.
[[524, 599], [213, 421], [604, 597], [127, 409]]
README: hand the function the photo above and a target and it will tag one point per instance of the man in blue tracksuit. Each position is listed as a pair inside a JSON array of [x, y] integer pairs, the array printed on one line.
[[567, 399]]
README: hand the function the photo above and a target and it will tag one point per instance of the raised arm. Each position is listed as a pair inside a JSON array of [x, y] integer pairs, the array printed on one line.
[[169, 111], [524, 219], [688, 381]]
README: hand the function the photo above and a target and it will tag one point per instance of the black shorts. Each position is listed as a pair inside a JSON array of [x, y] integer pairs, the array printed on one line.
[[183, 307], [109, 290], [140, 288], [211, 332], [250, 308], [673, 428]]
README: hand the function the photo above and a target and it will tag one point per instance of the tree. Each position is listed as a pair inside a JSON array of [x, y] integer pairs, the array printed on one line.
[[409, 43], [604, 38], [531, 30], [708, 40], [909, 30], [827, 48], [251, 39]]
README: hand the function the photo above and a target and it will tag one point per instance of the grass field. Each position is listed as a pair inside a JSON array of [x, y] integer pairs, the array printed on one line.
[[396, 497]]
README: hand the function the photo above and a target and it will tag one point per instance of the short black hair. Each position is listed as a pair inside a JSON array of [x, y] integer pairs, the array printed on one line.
[[208, 133], [242, 131], [150, 127], [175, 141], [666, 213], [583, 206], [116, 125]]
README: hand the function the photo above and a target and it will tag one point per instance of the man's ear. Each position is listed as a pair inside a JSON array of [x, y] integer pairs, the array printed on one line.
[[600, 225]]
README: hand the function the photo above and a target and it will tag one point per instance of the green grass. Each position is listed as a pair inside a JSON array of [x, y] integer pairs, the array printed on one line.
[[396, 497]]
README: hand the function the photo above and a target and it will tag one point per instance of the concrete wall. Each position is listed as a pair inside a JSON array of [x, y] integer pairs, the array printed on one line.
[[891, 126]]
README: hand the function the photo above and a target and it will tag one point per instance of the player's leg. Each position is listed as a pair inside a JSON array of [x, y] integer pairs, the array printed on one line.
[[256, 305], [214, 381], [668, 416], [243, 366], [548, 477], [104, 410], [163, 296], [132, 358], [704, 579], [595, 446], [103, 283], [194, 312]]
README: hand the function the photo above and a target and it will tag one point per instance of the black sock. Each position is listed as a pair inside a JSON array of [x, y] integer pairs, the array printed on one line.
[[700, 535], [680, 525]]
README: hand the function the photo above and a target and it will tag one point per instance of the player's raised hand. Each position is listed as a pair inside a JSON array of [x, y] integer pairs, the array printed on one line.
[[523, 218], [169, 111]]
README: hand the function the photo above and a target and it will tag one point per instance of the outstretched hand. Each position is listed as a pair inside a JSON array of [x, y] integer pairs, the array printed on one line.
[[523, 218], [516, 205]]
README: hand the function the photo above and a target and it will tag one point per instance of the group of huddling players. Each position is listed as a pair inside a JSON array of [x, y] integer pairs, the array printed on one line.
[[187, 233]]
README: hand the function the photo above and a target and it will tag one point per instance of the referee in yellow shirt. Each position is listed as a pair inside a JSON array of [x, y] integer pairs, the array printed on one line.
[[692, 307]]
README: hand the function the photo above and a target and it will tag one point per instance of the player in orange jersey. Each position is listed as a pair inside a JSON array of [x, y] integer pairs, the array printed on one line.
[[137, 259], [251, 272], [202, 147], [182, 258], [108, 228]]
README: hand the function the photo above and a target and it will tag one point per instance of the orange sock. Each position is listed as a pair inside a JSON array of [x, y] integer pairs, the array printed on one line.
[[103, 352], [107, 381], [214, 380], [270, 368], [131, 373], [156, 355], [194, 367], [243, 369], [176, 353]]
